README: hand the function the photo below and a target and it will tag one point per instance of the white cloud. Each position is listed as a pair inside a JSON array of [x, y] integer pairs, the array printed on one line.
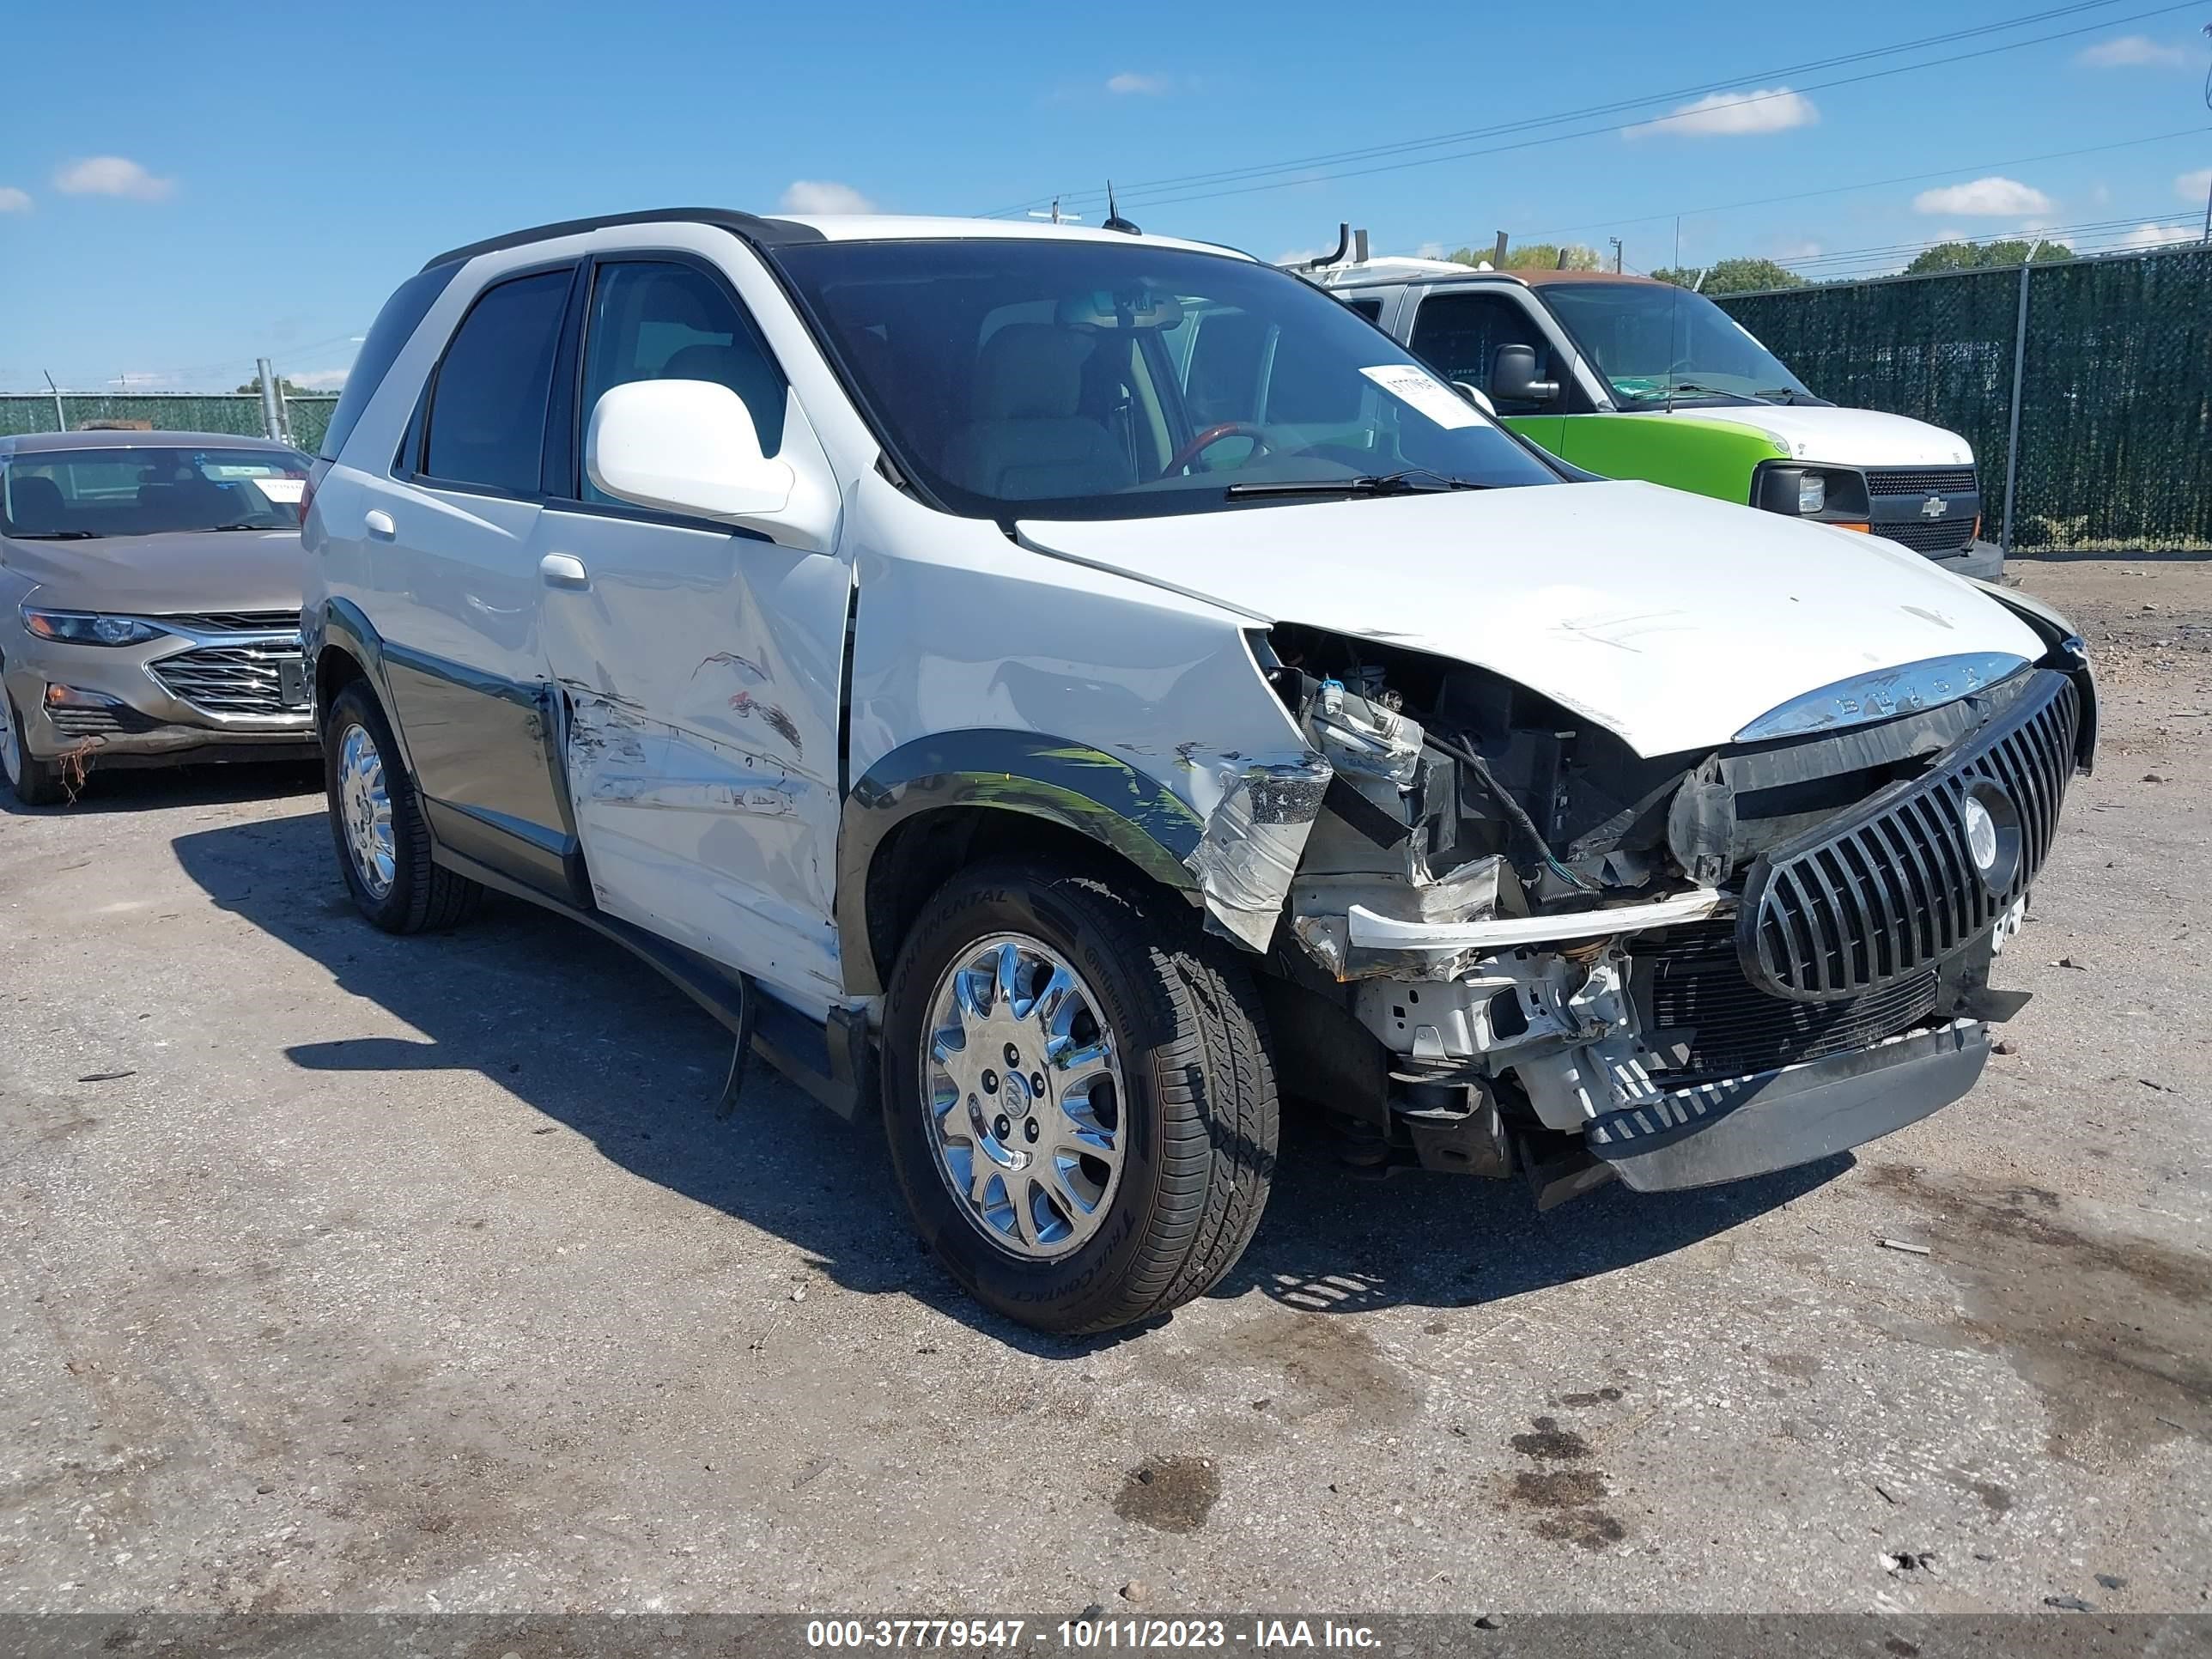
[[2132, 52], [111, 175], [2158, 235], [1984, 198], [2193, 186], [320, 380], [1798, 251], [13, 200], [1730, 114], [1298, 256], [1431, 251], [1128, 82], [824, 195]]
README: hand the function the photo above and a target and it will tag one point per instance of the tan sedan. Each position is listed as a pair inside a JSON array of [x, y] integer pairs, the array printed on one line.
[[150, 604]]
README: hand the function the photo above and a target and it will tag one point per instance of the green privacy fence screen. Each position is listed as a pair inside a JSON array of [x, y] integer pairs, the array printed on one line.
[[232, 412], [2114, 385]]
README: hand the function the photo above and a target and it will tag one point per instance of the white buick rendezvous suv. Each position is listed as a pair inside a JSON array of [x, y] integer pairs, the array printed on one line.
[[1062, 689]]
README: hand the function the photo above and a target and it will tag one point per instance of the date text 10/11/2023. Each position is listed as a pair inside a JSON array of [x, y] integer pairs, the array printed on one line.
[[1004, 1635]]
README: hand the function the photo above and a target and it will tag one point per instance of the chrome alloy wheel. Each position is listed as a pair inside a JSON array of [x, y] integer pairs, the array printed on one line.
[[11, 752], [366, 807], [1023, 1084]]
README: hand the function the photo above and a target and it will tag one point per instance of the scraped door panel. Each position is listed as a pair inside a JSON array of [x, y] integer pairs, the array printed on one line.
[[701, 671]]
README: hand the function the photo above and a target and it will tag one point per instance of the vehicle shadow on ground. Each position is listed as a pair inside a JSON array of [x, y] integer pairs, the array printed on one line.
[[594, 1041], [152, 788]]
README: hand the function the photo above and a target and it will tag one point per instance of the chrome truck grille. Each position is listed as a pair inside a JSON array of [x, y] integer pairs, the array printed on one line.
[[1890, 888]]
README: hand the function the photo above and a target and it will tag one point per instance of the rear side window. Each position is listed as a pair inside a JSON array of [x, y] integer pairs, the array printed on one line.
[[395, 325], [1371, 309], [487, 422]]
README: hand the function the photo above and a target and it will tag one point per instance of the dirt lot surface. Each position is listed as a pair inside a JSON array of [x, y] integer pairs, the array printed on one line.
[[348, 1272]]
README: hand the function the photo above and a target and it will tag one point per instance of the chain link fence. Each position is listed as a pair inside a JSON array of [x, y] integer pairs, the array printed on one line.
[[235, 413], [2098, 371]]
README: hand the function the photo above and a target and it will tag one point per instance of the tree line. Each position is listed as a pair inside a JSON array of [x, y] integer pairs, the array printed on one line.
[[1745, 276]]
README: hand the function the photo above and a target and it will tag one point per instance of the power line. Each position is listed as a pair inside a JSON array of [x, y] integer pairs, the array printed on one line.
[[1869, 183], [1259, 176], [1335, 157]]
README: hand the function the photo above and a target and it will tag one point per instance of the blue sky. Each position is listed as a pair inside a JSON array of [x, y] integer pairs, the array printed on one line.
[[196, 186]]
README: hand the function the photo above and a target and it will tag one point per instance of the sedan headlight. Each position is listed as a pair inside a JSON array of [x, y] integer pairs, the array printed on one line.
[[87, 628]]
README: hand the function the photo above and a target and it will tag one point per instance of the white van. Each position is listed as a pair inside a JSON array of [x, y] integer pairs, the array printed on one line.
[[1060, 690]]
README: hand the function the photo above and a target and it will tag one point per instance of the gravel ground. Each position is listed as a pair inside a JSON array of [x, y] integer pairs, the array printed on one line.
[[344, 1273]]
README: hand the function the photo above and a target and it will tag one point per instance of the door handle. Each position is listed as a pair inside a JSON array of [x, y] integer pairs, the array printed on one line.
[[564, 570], [379, 524]]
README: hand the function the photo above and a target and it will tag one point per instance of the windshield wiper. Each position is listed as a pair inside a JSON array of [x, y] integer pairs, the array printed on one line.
[[1407, 482], [57, 535], [241, 527]]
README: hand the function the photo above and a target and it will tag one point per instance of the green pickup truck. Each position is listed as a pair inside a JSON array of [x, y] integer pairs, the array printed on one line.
[[1636, 379]]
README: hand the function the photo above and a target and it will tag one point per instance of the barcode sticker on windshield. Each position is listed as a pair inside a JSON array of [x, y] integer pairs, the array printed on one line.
[[1426, 394]]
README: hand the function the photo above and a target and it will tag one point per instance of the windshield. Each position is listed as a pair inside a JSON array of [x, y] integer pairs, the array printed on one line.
[[67, 494], [1651, 341], [1036, 378]]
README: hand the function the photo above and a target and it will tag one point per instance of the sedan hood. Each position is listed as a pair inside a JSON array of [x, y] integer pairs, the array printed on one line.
[[1671, 619], [179, 573], [1838, 437]]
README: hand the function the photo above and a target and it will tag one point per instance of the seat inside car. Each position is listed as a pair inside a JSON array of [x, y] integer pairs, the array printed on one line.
[[35, 505], [1026, 438]]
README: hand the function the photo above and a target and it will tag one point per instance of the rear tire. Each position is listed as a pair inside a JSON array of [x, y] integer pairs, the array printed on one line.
[[376, 821], [34, 783], [1173, 1152]]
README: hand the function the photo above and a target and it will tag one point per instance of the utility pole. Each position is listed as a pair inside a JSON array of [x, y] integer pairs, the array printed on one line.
[[1615, 241], [2208, 177], [1497, 254], [272, 421]]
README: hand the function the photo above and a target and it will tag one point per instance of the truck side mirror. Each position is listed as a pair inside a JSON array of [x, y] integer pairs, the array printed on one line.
[[1513, 377]]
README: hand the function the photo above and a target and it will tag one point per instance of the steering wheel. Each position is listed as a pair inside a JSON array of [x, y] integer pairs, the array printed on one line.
[[1213, 434]]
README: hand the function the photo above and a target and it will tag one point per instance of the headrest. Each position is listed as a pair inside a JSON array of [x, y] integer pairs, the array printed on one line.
[[1028, 370]]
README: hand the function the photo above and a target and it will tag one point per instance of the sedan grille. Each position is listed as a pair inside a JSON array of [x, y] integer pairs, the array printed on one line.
[[1696, 997], [234, 622], [1921, 481], [233, 679], [1889, 889]]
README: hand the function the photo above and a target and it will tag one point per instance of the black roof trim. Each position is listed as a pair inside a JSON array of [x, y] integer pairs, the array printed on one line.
[[746, 227]]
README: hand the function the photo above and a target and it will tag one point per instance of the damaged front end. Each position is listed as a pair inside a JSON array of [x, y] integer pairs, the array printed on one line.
[[1511, 943]]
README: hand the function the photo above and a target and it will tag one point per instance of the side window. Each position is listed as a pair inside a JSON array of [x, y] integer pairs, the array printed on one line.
[[1458, 335], [656, 320], [487, 417], [1371, 309]]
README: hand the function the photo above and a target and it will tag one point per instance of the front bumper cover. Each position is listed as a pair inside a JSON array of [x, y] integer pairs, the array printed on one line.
[[1712, 1133]]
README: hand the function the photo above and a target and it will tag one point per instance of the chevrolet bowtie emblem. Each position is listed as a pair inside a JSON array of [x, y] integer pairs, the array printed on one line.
[[1934, 508]]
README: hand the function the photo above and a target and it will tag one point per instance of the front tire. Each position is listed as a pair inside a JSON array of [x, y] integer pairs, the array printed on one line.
[[1078, 1098], [33, 782], [376, 821]]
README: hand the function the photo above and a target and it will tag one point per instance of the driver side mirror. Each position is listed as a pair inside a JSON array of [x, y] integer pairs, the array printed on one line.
[[1513, 377], [687, 447]]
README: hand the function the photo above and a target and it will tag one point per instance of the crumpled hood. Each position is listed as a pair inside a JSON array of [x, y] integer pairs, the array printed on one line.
[[1672, 619], [1840, 437], [157, 575]]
